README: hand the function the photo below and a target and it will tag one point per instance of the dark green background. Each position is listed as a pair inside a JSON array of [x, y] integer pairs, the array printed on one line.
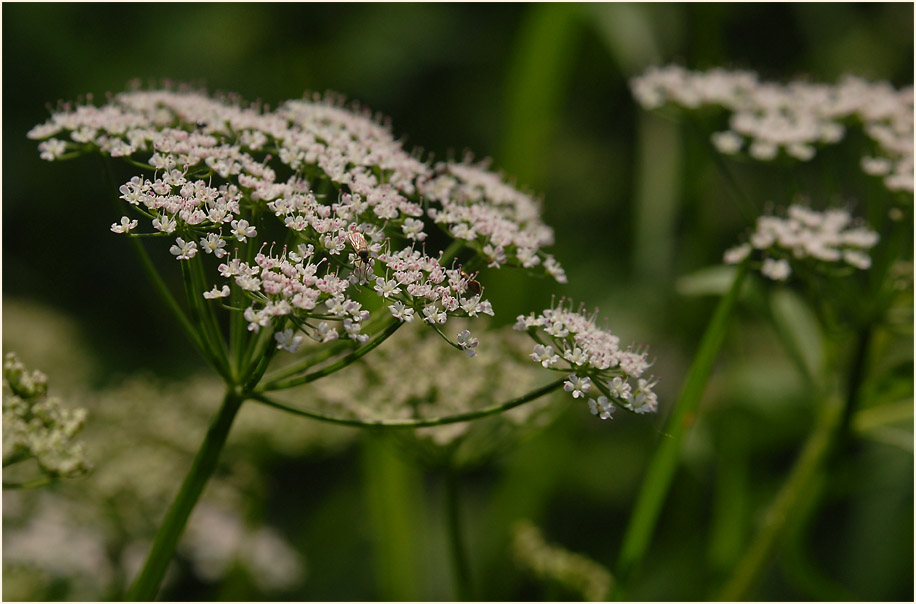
[[542, 89]]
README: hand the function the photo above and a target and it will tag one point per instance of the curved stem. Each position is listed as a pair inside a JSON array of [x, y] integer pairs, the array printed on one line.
[[829, 435], [319, 355], [146, 585], [801, 478], [166, 296], [340, 364], [460, 566], [661, 469], [413, 423]]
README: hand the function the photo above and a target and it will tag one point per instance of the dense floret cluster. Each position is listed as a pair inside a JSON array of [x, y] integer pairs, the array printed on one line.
[[354, 205], [570, 341], [36, 426]]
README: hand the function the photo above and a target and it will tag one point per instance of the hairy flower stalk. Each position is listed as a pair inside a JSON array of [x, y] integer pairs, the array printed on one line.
[[308, 224]]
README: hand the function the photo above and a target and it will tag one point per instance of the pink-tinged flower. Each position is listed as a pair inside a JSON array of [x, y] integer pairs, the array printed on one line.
[[468, 343], [593, 357]]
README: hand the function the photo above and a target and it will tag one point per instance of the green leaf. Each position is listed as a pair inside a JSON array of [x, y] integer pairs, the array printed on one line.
[[800, 332], [710, 281]]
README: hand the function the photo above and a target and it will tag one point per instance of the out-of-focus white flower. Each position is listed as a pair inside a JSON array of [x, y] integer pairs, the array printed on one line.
[[805, 235], [796, 117]]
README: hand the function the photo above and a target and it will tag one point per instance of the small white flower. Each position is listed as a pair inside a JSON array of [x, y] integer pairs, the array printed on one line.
[[242, 230], [386, 288], [401, 312], [326, 333], [736, 255], [603, 408], [213, 244], [184, 250], [728, 142], [577, 386], [413, 229], [576, 356], [777, 270], [433, 314], [544, 355], [126, 225], [619, 388], [217, 293], [288, 341], [353, 329], [51, 149], [468, 343], [164, 223]]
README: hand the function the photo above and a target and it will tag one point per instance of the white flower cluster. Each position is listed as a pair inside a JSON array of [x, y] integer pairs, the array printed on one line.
[[795, 117], [498, 220], [570, 341], [36, 426], [67, 534], [351, 208], [829, 237]]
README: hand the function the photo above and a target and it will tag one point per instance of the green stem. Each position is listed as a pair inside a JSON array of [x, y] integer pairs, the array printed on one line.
[[460, 567], [337, 366], [392, 492], [205, 310], [146, 585], [320, 354], [412, 423], [801, 478], [166, 296], [828, 436], [29, 484], [856, 375], [661, 468], [208, 346]]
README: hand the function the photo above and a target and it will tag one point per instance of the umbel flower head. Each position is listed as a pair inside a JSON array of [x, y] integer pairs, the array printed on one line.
[[796, 118], [36, 426], [599, 371], [353, 209], [805, 236]]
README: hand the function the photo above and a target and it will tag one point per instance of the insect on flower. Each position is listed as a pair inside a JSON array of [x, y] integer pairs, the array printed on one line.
[[359, 245], [473, 284]]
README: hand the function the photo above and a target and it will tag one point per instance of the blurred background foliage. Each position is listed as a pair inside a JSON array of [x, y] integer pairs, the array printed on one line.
[[637, 202]]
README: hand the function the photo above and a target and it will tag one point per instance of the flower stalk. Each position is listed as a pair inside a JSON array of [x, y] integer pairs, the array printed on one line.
[[661, 469], [146, 585]]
